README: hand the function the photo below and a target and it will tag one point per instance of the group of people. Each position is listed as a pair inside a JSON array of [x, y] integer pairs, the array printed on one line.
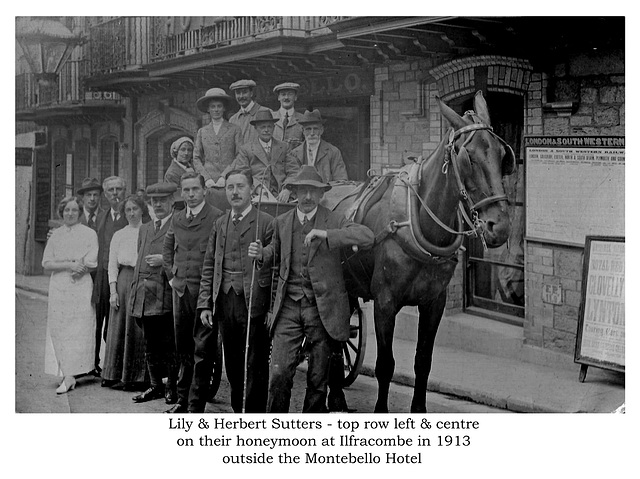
[[155, 280]]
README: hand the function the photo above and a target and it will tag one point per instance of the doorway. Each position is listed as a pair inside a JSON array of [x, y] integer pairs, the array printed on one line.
[[347, 127], [494, 279]]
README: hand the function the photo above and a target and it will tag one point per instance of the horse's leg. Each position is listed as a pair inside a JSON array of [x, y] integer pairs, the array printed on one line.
[[384, 318], [430, 316]]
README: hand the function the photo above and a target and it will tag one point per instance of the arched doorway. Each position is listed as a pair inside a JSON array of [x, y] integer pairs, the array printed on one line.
[[494, 279]]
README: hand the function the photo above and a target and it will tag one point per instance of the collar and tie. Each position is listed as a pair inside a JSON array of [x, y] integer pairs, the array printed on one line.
[[285, 121], [158, 225], [237, 218], [190, 216], [91, 222], [115, 216], [305, 220]]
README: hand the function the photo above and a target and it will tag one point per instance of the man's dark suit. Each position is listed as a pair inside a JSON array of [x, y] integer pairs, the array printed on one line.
[[106, 227], [323, 318], [232, 313], [151, 303], [182, 254]]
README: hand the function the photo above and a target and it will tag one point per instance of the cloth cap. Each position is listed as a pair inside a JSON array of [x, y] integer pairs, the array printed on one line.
[[160, 190], [212, 94], [242, 84], [286, 86], [308, 176], [89, 184]]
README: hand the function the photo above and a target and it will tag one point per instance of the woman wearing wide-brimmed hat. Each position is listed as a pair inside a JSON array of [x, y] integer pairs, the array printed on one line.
[[217, 143]]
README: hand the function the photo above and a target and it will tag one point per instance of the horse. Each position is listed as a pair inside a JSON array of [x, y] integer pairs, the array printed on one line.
[[419, 217]]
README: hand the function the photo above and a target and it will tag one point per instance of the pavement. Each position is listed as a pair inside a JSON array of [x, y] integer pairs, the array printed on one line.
[[478, 360]]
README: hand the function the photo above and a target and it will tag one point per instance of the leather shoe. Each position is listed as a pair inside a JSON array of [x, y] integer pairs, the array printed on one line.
[[119, 386], [170, 396], [148, 395], [177, 409], [107, 383]]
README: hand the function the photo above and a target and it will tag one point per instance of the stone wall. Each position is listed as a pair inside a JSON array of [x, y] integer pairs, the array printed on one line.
[[594, 84]]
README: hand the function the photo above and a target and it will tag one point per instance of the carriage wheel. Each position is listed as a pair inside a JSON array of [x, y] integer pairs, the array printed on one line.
[[354, 348], [216, 375]]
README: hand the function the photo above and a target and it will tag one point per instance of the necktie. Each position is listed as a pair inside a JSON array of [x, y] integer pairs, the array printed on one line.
[[267, 149], [190, 216], [116, 216], [236, 219], [304, 220], [285, 122], [158, 224], [311, 157], [92, 221]]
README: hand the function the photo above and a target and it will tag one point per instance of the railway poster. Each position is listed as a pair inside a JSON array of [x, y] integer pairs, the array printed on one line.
[[574, 188]]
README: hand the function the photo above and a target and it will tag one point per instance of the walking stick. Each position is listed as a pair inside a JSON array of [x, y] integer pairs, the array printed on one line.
[[253, 279]]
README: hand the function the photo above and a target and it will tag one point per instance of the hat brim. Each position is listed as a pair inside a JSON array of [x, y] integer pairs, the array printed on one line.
[[82, 191], [203, 103], [307, 122], [315, 184], [272, 120]]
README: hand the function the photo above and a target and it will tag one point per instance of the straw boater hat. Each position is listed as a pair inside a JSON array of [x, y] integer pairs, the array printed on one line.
[[286, 86], [308, 176], [262, 116], [89, 184], [212, 94], [310, 117], [242, 84], [160, 190]]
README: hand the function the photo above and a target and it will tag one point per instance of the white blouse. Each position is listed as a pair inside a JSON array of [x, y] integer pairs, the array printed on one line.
[[123, 250], [78, 242]]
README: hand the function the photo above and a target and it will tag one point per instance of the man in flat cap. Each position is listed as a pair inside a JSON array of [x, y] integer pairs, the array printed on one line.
[[267, 157], [244, 91], [316, 152], [287, 128], [311, 300], [150, 301]]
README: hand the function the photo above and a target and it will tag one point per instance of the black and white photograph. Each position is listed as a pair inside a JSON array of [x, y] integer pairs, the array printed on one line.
[[297, 242]]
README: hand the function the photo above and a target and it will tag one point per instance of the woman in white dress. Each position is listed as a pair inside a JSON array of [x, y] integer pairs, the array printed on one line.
[[124, 363], [71, 253]]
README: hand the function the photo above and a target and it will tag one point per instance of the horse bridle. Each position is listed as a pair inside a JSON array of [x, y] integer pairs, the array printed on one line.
[[452, 157]]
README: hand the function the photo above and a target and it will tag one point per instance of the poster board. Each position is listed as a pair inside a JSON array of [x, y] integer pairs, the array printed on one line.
[[601, 322], [574, 188]]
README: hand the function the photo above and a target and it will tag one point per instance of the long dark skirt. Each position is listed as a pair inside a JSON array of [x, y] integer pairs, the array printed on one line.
[[124, 355]]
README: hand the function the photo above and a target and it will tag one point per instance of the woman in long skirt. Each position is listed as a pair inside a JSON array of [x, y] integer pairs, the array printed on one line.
[[71, 253], [124, 362]]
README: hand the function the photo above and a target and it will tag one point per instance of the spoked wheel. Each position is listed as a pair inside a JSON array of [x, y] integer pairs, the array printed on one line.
[[216, 375], [354, 348]]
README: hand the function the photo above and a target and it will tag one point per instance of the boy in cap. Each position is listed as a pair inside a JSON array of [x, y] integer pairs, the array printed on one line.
[[311, 300], [90, 191], [150, 301], [244, 91], [287, 128]]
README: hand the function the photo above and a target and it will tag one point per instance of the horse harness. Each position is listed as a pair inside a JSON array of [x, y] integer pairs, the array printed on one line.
[[406, 202]]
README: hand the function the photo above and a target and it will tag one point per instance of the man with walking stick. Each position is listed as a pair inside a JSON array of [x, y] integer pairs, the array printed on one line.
[[230, 288], [311, 300]]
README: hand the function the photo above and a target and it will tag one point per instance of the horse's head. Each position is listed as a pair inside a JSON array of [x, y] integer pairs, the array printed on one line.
[[480, 159]]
